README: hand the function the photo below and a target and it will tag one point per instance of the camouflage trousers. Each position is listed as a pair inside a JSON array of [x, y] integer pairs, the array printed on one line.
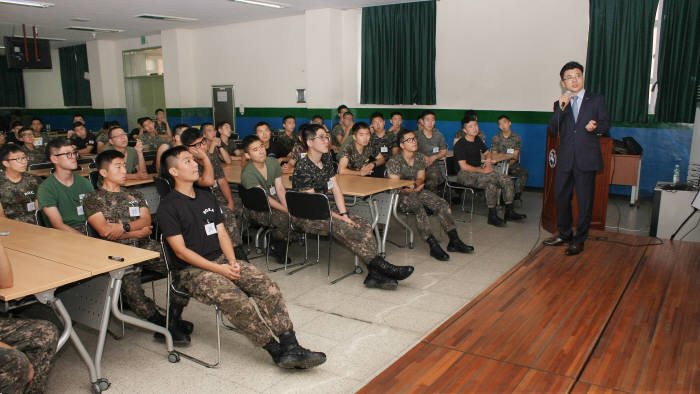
[[434, 178], [34, 343], [232, 218], [232, 297], [415, 203], [132, 289], [360, 240], [521, 174], [279, 221], [491, 183]]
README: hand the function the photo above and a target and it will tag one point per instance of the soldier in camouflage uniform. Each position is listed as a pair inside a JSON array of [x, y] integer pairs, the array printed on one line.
[[161, 124], [289, 123], [27, 347], [35, 153], [193, 227], [507, 142], [359, 157], [18, 190], [122, 215], [411, 165], [431, 143], [382, 140], [468, 153], [232, 207], [149, 138], [315, 173]]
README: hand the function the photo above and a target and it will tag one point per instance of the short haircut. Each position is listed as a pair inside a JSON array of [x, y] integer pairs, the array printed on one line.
[[427, 112], [317, 117], [261, 123], [35, 118], [376, 115], [359, 125], [348, 114], [205, 124], [469, 113], [169, 159], [78, 124], [401, 134], [159, 110], [143, 120], [222, 123], [105, 158], [78, 114], [570, 66], [112, 128], [396, 113], [7, 150], [180, 128], [309, 132], [106, 124], [249, 140], [288, 117], [468, 119], [504, 116], [342, 107], [15, 124], [23, 129], [114, 123], [190, 135], [56, 144]]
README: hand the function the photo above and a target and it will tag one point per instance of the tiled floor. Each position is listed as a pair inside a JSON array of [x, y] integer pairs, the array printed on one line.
[[361, 330]]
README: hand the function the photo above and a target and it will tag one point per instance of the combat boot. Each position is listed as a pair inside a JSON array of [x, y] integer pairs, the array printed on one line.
[[240, 253], [289, 354], [390, 270], [436, 251], [511, 214], [375, 280], [494, 219], [456, 244], [180, 338], [278, 250]]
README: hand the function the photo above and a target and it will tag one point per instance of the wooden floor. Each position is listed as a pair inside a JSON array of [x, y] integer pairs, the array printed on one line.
[[616, 318]]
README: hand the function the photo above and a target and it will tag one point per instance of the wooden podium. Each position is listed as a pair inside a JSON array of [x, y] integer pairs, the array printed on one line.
[[602, 184]]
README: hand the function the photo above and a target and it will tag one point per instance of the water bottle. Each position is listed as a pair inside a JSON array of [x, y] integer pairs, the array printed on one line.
[[677, 174]]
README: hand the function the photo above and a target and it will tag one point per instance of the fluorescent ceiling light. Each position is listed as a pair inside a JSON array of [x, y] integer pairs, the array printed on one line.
[[41, 38], [27, 3], [94, 29], [166, 18], [262, 3]]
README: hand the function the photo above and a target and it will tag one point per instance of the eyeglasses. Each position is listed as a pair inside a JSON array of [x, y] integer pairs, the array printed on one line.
[[197, 144], [409, 139], [322, 137], [572, 77], [21, 159], [69, 155]]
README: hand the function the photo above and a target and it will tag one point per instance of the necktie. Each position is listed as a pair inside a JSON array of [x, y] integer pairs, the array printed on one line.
[[574, 107]]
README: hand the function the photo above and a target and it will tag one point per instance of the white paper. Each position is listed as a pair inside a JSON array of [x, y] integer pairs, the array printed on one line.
[[210, 228], [221, 96], [31, 207]]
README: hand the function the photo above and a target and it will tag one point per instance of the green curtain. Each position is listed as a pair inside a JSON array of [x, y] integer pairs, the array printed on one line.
[[620, 46], [398, 54], [74, 65], [11, 85], [679, 61]]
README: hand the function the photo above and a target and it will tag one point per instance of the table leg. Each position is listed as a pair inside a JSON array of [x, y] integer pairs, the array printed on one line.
[[395, 205], [374, 211]]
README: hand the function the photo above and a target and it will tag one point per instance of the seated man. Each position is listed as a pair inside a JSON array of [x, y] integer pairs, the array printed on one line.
[[347, 123], [467, 153], [27, 347], [83, 140], [286, 140], [214, 142], [384, 141], [13, 134], [18, 190], [175, 141], [277, 149], [509, 143], [410, 165], [41, 136], [161, 124], [122, 215], [192, 224], [149, 136], [216, 179], [61, 195], [431, 143], [35, 153], [338, 132], [135, 163], [462, 132], [396, 121], [103, 136], [266, 172], [359, 157], [227, 140], [298, 151]]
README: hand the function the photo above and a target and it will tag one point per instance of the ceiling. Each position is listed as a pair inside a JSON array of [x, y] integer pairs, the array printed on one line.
[[120, 14]]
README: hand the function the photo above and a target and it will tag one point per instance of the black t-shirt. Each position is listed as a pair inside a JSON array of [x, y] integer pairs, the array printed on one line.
[[470, 151], [277, 150], [179, 214], [82, 143]]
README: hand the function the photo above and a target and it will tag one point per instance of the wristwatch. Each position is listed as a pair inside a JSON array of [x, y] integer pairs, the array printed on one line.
[[127, 227], [342, 214]]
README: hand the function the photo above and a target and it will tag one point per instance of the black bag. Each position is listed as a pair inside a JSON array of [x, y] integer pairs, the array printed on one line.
[[633, 147], [619, 147]]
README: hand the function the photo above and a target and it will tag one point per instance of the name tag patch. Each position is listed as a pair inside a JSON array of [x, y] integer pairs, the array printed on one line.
[[510, 151], [80, 210], [330, 184], [210, 228], [436, 149], [134, 211], [38, 141], [273, 191], [384, 149], [31, 207]]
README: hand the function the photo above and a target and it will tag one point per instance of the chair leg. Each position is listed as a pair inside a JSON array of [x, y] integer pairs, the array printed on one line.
[[306, 255], [217, 317], [357, 270]]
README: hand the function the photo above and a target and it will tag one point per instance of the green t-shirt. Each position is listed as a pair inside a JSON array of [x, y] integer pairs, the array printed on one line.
[[251, 177], [68, 200], [132, 158]]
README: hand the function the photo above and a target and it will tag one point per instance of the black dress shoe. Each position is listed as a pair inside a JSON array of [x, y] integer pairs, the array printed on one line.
[[573, 249], [556, 241]]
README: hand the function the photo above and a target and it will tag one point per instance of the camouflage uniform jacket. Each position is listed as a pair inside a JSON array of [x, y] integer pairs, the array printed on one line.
[[356, 159], [102, 137], [286, 141], [308, 176], [115, 206], [385, 144], [397, 165], [218, 174], [19, 199], [36, 155], [298, 152], [151, 142], [501, 144]]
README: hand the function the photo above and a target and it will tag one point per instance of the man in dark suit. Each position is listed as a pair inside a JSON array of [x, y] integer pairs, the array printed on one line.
[[579, 118]]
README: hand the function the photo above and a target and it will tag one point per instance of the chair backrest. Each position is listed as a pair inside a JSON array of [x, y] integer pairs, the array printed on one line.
[[40, 166], [311, 206], [39, 218], [502, 167], [451, 166], [169, 259], [94, 178], [162, 186], [254, 199], [90, 231], [86, 160]]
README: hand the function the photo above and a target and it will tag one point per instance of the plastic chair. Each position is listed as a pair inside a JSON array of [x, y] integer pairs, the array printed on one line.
[[40, 166], [94, 178], [255, 199], [39, 218], [451, 169]]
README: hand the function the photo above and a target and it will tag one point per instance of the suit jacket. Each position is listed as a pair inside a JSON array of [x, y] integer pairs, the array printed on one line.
[[579, 148]]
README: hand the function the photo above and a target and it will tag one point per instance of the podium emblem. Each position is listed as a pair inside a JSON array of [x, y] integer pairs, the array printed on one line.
[[552, 158]]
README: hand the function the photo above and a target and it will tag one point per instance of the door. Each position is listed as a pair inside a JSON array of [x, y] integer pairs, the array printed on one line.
[[143, 96], [223, 106]]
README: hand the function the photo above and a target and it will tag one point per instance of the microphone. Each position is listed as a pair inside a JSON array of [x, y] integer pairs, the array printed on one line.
[[563, 105]]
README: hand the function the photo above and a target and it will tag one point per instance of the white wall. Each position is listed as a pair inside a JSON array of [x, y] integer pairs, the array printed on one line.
[[42, 88]]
